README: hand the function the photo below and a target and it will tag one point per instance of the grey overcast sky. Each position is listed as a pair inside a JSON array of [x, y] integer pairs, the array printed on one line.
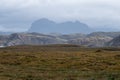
[[17, 15]]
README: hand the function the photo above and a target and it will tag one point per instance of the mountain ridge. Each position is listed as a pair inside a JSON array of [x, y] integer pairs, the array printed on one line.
[[47, 26], [96, 39]]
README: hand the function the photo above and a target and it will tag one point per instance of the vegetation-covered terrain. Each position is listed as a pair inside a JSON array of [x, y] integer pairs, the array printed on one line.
[[59, 62]]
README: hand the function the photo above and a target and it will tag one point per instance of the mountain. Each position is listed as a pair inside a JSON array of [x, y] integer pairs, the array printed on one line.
[[114, 42], [48, 26], [96, 39], [91, 41], [104, 34], [3, 39], [72, 36], [31, 39]]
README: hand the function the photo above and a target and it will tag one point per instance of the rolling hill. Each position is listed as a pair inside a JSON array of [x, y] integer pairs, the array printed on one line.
[[96, 39]]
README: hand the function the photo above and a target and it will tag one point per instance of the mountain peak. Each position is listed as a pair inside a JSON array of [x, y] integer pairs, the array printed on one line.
[[47, 26]]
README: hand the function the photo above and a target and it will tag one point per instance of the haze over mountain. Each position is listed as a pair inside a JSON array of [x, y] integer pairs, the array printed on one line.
[[48, 26], [70, 17], [17, 15]]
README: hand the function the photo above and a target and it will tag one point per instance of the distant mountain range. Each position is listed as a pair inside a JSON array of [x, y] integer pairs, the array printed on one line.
[[44, 31], [96, 39], [48, 26]]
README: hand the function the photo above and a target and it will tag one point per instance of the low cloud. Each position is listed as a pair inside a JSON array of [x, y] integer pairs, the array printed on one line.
[[19, 14]]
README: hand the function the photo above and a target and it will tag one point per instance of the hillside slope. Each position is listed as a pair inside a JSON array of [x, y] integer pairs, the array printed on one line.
[[114, 42], [97, 39]]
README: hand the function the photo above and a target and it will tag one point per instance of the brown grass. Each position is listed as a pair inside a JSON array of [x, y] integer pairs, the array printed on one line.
[[58, 62]]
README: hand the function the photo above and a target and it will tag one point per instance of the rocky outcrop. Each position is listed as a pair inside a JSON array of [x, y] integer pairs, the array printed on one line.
[[89, 40], [104, 34], [114, 43], [31, 39]]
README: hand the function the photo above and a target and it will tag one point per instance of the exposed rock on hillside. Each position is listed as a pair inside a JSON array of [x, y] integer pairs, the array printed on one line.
[[90, 40], [115, 42]]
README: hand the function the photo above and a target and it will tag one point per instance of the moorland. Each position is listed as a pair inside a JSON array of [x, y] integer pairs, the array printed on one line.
[[59, 62]]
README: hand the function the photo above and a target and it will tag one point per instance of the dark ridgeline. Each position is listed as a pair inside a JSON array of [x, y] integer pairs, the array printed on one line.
[[48, 26]]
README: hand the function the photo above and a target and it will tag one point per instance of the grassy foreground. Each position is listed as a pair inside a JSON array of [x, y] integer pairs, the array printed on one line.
[[59, 62]]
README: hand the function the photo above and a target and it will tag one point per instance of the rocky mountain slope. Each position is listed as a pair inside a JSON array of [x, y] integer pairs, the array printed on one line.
[[91, 41], [31, 39], [97, 39], [104, 34], [114, 43]]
